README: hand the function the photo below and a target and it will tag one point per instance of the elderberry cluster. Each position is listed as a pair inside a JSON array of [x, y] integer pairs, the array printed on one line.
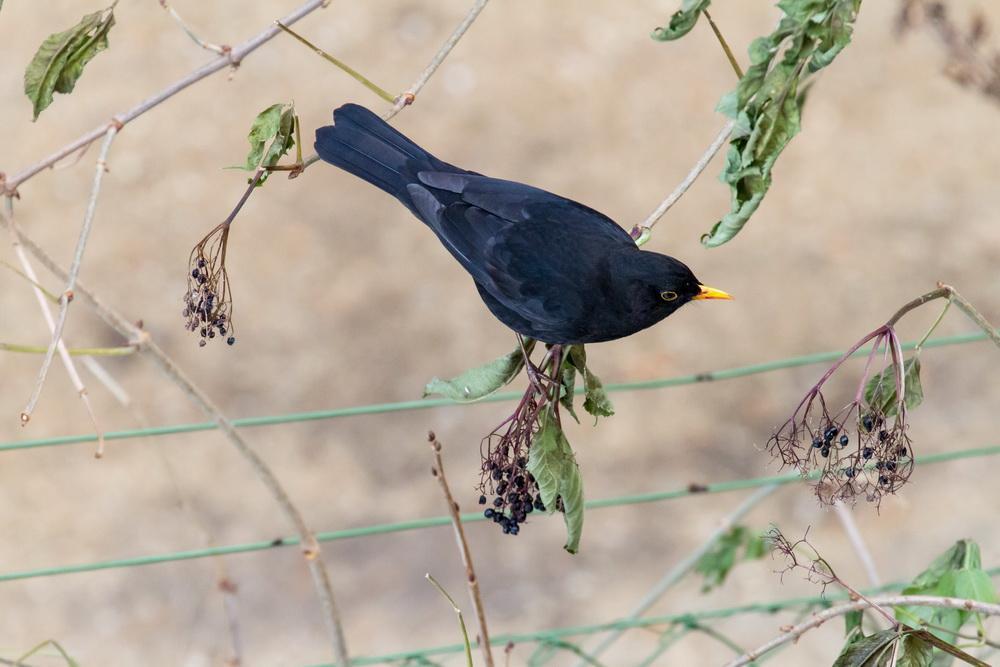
[[880, 461], [514, 494], [207, 300]]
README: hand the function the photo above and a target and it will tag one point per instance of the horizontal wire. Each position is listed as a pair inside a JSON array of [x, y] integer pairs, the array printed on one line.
[[424, 404], [431, 522], [553, 634]]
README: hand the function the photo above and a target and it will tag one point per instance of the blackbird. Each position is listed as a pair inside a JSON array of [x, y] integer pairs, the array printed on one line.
[[548, 267]]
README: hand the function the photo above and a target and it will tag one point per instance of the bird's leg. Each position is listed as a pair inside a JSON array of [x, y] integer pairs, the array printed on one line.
[[556, 384], [530, 367]]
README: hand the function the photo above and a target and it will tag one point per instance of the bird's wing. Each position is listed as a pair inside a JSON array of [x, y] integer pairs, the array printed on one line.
[[517, 202]]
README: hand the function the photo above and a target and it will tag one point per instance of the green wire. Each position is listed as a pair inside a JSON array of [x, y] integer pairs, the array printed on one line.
[[431, 522], [424, 404], [553, 634]]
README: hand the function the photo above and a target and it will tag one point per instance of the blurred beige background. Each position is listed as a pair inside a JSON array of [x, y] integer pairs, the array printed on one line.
[[343, 299]]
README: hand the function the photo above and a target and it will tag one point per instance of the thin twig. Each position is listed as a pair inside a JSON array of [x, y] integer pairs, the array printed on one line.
[[411, 93], [64, 355], [74, 271], [681, 569], [310, 546], [724, 44], [356, 75], [857, 542], [642, 231], [818, 619], [208, 46], [233, 58], [73, 351], [463, 548], [963, 304], [458, 612]]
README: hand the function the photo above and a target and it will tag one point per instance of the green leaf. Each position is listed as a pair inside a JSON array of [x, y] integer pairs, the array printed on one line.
[[478, 383], [766, 104], [552, 464], [271, 136], [866, 651], [716, 563], [60, 59], [880, 390], [958, 572], [596, 400], [852, 626], [682, 20]]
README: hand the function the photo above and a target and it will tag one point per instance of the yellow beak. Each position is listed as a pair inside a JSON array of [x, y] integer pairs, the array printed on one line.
[[710, 293]]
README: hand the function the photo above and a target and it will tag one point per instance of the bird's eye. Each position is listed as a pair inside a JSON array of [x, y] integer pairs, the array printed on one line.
[[668, 296]]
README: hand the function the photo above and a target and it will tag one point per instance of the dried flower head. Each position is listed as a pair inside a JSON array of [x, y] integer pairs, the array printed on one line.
[[863, 448], [208, 302]]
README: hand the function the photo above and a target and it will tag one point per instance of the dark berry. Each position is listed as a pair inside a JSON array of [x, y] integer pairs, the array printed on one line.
[[497, 475], [901, 451], [231, 340], [506, 529], [202, 343], [497, 502], [830, 433], [817, 442], [201, 264], [867, 423], [844, 439], [849, 472], [514, 530], [883, 435], [883, 480], [825, 451], [194, 273], [498, 518], [539, 505], [890, 465], [878, 465], [489, 513], [482, 501], [501, 488], [867, 452]]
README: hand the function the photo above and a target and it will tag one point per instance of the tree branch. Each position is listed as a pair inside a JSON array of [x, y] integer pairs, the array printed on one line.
[[74, 271], [411, 93], [233, 58], [818, 619], [642, 231], [310, 546]]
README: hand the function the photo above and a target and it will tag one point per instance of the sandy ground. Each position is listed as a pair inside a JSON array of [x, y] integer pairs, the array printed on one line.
[[343, 299]]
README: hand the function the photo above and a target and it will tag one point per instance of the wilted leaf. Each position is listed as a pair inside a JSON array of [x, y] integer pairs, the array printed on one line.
[[596, 400], [552, 464], [682, 20], [271, 136], [866, 651], [880, 391], [852, 626], [716, 563], [568, 381], [60, 59], [766, 103], [477, 383], [914, 651]]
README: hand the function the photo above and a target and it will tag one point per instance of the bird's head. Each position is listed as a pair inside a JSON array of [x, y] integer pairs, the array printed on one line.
[[659, 285]]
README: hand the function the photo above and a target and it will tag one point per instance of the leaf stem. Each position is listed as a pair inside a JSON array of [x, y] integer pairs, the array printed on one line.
[[358, 76], [920, 344], [461, 621], [724, 44]]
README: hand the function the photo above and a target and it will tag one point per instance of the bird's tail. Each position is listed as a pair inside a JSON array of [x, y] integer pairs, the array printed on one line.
[[365, 145]]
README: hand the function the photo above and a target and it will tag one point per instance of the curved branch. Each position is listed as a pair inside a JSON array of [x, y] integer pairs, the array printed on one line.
[[822, 617]]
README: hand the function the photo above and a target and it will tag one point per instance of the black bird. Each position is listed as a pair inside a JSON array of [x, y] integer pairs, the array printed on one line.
[[546, 266]]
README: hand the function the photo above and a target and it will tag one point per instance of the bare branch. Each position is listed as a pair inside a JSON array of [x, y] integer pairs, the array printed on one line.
[[74, 271], [411, 93], [64, 354], [310, 546], [819, 618], [208, 46], [231, 59], [463, 548], [642, 231]]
